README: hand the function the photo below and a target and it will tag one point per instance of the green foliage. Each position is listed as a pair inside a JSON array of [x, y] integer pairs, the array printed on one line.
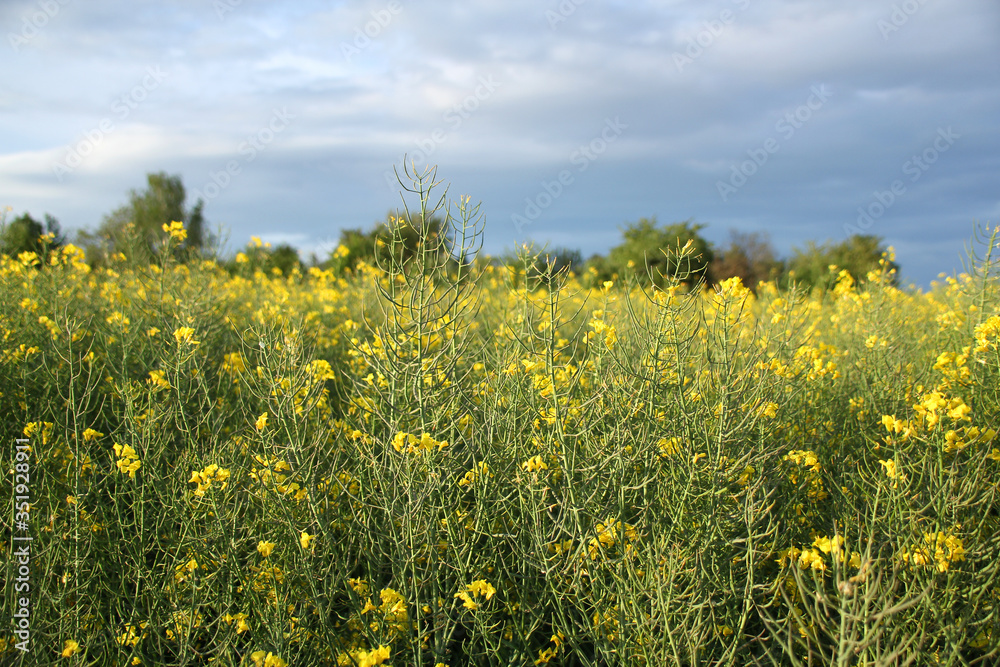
[[285, 258], [135, 229], [859, 254], [372, 246], [649, 253], [23, 234], [412, 234], [355, 246]]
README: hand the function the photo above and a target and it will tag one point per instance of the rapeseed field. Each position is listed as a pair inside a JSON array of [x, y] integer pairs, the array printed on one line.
[[439, 461]]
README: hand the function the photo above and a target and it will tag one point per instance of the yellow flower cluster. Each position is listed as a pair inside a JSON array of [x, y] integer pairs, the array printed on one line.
[[607, 623], [240, 620], [183, 571], [941, 550], [535, 464], [609, 534], [549, 653], [668, 446], [267, 659], [894, 425], [364, 658], [408, 443], [769, 409], [987, 334], [128, 460], [812, 558], [934, 405], [471, 594], [893, 472], [185, 335], [954, 367], [320, 370], [600, 327], [392, 610], [70, 647], [558, 548], [732, 288], [807, 459], [132, 634], [158, 380], [470, 477], [34, 427], [205, 478], [233, 363], [176, 230], [957, 440]]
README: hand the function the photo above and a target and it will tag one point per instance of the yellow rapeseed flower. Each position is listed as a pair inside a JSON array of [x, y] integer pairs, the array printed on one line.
[[176, 230], [69, 648], [268, 659], [265, 548], [472, 592], [534, 464], [158, 380], [374, 657], [185, 335], [128, 460], [890, 468], [205, 478], [239, 619], [305, 539]]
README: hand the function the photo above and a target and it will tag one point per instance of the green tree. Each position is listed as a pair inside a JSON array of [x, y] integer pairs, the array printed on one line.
[[859, 254], [285, 258], [649, 252], [373, 246], [136, 228], [23, 234]]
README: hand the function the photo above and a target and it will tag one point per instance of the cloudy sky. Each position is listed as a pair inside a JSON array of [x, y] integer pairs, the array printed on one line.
[[805, 119]]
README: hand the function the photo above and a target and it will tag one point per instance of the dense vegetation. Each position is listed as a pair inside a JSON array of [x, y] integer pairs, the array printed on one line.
[[428, 459]]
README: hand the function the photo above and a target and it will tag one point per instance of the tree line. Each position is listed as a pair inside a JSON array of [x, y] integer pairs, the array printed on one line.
[[647, 252]]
